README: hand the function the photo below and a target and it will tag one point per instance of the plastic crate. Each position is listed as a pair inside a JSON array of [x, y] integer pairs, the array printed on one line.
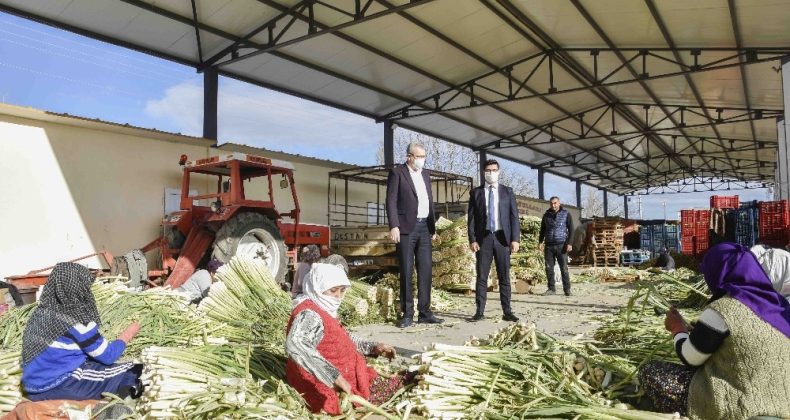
[[724, 202], [773, 206], [687, 217], [702, 217], [687, 247], [702, 245]]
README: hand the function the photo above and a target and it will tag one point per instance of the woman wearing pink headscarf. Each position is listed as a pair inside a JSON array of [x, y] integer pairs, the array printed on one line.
[[737, 357]]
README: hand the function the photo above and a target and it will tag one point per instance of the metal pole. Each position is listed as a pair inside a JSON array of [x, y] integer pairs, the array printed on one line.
[[605, 203], [579, 195], [541, 190], [483, 157], [625, 206], [389, 144], [210, 92]]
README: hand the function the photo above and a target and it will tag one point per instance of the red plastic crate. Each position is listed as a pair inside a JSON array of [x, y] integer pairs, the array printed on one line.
[[687, 231], [687, 247], [701, 231], [702, 217], [702, 245], [773, 207], [686, 217], [724, 202]]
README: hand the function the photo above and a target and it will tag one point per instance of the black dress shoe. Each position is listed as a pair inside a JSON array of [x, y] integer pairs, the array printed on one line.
[[549, 292], [430, 320], [405, 323], [509, 317], [568, 293], [476, 318]]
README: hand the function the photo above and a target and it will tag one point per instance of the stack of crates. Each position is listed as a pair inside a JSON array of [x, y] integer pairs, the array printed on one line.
[[694, 225], [774, 223], [657, 234], [747, 220]]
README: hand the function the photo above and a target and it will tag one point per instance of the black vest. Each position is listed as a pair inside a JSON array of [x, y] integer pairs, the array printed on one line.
[[556, 227]]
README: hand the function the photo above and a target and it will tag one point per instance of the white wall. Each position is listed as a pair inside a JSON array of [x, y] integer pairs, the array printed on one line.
[[782, 189]]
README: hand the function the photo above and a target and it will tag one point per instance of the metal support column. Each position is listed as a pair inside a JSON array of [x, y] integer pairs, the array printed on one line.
[[210, 92], [483, 157], [605, 203], [579, 195], [782, 172], [541, 190], [625, 206], [389, 143]]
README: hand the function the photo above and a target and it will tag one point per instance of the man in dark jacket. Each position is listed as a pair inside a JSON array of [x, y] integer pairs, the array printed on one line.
[[494, 231], [556, 228], [412, 226]]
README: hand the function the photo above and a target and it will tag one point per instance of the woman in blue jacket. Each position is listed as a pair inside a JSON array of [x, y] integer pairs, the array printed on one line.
[[63, 354]]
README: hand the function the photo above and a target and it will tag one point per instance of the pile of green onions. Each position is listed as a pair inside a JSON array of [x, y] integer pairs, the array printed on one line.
[[10, 376], [212, 382], [246, 304]]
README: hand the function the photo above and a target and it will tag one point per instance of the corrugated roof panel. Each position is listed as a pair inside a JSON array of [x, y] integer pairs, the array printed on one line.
[[354, 69], [763, 23]]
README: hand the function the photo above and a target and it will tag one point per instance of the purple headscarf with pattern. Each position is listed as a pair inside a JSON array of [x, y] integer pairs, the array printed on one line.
[[732, 269]]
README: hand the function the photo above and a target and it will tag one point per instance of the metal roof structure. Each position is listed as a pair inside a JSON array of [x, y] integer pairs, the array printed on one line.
[[624, 95]]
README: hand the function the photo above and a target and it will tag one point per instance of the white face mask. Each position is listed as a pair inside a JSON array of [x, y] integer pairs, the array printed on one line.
[[329, 303], [492, 177], [419, 163]]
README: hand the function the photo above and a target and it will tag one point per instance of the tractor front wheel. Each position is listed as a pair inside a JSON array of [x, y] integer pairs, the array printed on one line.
[[253, 236]]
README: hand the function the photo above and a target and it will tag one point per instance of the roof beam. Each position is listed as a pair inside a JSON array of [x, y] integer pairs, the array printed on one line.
[[442, 101], [417, 70], [275, 36], [739, 42], [668, 39]]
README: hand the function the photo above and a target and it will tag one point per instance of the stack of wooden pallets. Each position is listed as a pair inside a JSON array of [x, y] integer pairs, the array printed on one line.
[[608, 234]]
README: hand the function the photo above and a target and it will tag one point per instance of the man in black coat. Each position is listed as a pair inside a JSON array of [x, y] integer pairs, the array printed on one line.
[[412, 226], [556, 229], [494, 232]]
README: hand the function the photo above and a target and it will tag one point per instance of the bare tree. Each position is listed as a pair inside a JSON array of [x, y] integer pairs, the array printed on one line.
[[448, 157], [592, 204]]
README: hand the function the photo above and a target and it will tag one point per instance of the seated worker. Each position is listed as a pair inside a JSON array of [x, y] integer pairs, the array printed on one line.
[[199, 283], [63, 354], [310, 255], [323, 358], [736, 357], [776, 263], [664, 260]]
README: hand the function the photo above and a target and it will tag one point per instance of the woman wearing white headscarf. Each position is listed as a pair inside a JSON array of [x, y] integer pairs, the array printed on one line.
[[322, 355]]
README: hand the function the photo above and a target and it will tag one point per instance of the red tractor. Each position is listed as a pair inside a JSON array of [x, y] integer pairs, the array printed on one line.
[[239, 218]]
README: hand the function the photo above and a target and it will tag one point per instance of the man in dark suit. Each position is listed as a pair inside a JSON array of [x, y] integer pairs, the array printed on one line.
[[412, 226], [494, 232]]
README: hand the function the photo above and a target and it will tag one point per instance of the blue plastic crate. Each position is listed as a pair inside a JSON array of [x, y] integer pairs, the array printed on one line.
[[747, 222]]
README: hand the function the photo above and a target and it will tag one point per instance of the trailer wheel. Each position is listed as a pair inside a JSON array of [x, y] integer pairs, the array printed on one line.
[[254, 236], [336, 259]]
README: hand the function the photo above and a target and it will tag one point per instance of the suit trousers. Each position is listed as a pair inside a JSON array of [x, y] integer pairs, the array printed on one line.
[[552, 253], [415, 247], [493, 247]]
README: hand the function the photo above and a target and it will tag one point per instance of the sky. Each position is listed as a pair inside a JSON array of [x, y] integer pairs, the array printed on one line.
[[58, 71]]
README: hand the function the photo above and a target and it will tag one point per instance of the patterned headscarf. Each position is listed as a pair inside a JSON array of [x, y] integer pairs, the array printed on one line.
[[730, 269], [67, 300], [321, 278]]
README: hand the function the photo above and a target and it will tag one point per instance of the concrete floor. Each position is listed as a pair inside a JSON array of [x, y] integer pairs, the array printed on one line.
[[558, 315]]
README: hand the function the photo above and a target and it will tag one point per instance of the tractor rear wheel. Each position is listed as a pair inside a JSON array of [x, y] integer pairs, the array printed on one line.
[[252, 235]]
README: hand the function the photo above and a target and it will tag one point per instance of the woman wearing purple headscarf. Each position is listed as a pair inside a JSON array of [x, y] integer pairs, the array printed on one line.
[[737, 357]]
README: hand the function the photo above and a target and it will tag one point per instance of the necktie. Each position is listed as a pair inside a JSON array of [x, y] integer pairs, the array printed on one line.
[[491, 210]]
